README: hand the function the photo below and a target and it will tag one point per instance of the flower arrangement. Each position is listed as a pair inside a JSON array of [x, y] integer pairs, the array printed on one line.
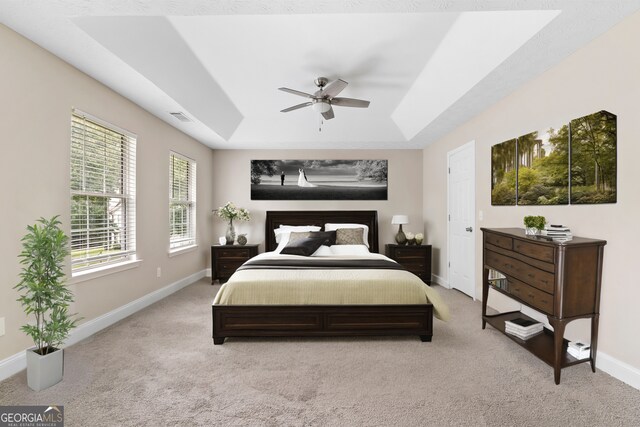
[[419, 238], [411, 238], [231, 212], [534, 224]]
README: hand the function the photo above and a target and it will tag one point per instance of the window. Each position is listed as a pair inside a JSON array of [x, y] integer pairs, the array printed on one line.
[[182, 202], [103, 211]]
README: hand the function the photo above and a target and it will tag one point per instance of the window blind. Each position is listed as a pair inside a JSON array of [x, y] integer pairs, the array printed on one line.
[[182, 201], [103, 203]]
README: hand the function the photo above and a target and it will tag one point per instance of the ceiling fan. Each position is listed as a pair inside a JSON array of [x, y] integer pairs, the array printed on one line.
[[325, 97]]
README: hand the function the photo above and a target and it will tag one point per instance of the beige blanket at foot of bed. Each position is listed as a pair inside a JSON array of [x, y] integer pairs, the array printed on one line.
[[328, 287]]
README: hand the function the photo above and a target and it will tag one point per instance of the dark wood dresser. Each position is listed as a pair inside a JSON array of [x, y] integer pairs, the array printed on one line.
[[225, 259], [415, 258], [561, 280]]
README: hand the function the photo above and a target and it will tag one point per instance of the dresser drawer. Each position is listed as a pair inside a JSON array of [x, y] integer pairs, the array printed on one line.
[[243, 253], [543, 253], [532, 296], [520, 270], [500, 241]]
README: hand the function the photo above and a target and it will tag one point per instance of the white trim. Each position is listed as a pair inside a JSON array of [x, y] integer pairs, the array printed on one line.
[[618, 369], [440, 281], [103, 270], [208, 272], [183, 250], [16, 363], [471, 144]]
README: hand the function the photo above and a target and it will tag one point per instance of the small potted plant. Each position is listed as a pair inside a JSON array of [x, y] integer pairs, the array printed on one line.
[[419, 238], [44, 295], [229, 212], [534, 224]]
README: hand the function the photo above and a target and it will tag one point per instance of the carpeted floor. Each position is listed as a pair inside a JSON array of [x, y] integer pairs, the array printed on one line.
[[160, 367]]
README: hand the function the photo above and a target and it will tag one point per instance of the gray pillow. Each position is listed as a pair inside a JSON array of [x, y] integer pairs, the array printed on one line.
[[304, 246], [349, 236]]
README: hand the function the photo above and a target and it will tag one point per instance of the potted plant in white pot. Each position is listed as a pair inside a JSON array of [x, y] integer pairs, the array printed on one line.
[[44, 295]]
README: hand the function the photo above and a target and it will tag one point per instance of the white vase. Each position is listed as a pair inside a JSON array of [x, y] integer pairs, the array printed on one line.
[[44, 371], [531, 231]]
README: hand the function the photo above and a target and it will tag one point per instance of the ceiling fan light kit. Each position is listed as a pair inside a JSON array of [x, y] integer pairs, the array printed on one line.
[[325, 97]]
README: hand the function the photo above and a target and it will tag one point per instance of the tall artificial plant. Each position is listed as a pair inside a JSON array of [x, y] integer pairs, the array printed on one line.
[[43, 293]]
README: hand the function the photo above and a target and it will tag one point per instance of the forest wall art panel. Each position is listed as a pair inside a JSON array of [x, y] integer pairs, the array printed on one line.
[[573, 163], [543, 173], [319, 179], [594, 158], [503, 173]]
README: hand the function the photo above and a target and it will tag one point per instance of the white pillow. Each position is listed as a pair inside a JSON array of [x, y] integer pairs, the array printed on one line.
[[286, 229], [323, 251], [365, 229], [349, 250]]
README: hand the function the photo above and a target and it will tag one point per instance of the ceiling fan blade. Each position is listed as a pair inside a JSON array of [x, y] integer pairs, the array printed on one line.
[[295, 107], [295, 92], [350, 102], [328, 115], [332, 89]]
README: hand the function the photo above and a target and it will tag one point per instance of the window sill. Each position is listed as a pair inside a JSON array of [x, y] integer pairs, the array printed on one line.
[[94, 273], [180, 251]]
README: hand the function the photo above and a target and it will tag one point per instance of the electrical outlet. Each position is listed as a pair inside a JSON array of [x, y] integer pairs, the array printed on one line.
[[1, 326], [158, 272]]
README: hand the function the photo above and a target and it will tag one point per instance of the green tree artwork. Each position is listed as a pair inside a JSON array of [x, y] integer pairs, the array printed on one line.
[[593, 158], [543, 167], [503, 173]]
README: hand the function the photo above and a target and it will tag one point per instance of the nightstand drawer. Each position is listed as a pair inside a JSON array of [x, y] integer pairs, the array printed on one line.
[[409, 253], [226, 268], [414, 267], [415, 259], [226, 259], [243, 253]]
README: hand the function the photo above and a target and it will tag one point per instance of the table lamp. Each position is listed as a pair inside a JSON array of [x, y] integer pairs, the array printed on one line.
[[401, 239]]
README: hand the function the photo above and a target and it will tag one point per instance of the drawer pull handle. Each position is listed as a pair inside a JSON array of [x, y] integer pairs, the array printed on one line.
[[530, 295], [531, 275], [544, 280]]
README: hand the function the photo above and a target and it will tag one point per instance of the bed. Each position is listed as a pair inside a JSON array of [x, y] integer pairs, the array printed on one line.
[[337, 295]]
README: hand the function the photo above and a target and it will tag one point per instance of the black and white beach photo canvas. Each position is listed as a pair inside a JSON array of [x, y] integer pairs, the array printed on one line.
[[319, 179]]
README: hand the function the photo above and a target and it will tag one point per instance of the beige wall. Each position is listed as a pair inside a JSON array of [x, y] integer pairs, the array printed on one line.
[[38, 93], [602, 75], [231, 183]]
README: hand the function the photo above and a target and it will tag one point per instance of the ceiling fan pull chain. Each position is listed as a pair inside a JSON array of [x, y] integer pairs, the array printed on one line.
[[321, 122]]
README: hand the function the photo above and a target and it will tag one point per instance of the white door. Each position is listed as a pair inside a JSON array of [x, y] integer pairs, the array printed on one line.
[[462, 227]]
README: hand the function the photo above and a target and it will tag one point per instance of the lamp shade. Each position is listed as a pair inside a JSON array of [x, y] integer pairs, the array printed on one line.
[[400, 219]]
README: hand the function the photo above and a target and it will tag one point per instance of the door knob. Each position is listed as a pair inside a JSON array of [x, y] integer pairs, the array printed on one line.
[[469, 229]]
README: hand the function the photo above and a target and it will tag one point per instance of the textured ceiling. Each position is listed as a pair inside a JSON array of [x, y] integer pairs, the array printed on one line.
[[426, 66]]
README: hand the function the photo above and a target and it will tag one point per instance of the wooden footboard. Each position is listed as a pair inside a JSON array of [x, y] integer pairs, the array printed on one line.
[[321, 320]]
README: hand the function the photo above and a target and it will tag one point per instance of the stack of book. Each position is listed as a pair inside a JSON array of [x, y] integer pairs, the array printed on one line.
[[522, 328], [558, 233], [579, 350]]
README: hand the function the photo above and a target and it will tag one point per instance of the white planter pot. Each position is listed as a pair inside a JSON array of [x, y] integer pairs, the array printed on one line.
[[44, 371]]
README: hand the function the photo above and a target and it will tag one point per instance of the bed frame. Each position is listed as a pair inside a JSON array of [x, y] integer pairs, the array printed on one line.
[[321, 320]]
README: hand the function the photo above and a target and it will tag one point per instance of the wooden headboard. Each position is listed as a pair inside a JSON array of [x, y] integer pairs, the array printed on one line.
[[320, 218]]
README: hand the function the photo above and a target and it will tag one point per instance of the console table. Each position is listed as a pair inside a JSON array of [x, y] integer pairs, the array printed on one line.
[[559, 279]]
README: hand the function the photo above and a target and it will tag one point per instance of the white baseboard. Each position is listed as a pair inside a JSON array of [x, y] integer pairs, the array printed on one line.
[[16, 363], [440, 281], [618, 369], [207, 272]]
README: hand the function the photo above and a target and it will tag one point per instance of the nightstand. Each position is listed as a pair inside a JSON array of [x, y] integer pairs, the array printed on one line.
[[415, 258], [225, 259]]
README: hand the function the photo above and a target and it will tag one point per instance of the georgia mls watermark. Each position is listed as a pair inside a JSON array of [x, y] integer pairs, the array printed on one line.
[[32, 416]]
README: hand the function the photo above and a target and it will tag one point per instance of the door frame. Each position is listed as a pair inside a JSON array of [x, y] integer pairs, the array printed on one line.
[[471, 144]]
